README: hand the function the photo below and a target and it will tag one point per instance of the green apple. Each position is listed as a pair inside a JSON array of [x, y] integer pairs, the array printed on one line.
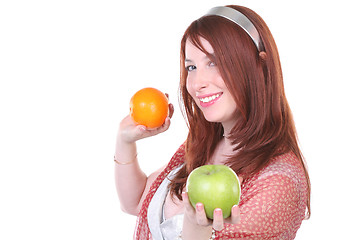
[[215, 186]]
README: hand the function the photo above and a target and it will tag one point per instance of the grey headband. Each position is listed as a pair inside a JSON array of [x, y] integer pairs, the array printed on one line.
[[241, 20]]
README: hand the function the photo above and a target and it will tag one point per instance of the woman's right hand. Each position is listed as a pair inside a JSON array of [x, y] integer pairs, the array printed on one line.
[[130, 132]]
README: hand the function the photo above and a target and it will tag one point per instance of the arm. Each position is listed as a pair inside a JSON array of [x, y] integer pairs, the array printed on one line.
[[130, 181]]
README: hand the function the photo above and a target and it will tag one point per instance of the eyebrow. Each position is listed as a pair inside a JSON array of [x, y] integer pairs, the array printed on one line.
[[212, 56]]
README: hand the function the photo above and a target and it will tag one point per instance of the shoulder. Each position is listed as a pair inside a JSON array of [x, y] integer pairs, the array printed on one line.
[[285, 166], [284, 174]]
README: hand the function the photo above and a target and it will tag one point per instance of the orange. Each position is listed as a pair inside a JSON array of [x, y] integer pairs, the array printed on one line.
[[149, 107]]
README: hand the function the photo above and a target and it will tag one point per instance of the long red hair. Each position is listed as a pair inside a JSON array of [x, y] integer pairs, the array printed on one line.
[[265, 127]]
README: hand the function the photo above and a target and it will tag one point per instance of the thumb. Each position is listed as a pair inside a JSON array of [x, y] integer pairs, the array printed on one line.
[[186, 201]]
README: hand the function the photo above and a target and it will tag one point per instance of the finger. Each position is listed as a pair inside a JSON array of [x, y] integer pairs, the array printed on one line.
[[139, 132], [171, 110], [154, 131], [140, 128], [241, 179], [163, 127], [235, 214], [171, 106], [201, 218], [218, 223], [186, 202], [132, 133]]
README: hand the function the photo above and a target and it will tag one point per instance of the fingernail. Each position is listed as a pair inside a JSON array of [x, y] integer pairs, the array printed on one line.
[[218, 211], [199, 206]]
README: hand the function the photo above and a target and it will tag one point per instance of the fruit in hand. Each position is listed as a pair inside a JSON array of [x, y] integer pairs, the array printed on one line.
[[149, 107], [215, 186]]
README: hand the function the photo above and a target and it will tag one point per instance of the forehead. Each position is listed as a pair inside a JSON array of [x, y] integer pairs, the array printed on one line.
[[201, 47]]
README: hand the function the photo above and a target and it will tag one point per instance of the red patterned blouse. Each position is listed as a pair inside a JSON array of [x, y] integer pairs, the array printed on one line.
[[272, 203]]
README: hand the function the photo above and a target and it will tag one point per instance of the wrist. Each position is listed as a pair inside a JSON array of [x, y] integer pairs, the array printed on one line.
[[125, 153], [127, 162], [125, 139], [123, 144]]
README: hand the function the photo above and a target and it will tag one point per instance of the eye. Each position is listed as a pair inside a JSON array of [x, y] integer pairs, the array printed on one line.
[[211, 64], [190, 68]]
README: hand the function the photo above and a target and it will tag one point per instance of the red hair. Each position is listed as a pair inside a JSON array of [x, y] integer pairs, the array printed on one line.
[[265, 127]]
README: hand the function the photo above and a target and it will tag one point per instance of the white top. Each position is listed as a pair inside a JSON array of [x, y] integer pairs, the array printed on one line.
[[161, 228]]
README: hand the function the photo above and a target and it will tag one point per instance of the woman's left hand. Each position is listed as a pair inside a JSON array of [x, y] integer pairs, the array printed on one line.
[[198, 216]]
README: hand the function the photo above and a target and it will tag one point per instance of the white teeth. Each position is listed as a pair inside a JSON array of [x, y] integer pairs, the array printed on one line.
[[208, 99]]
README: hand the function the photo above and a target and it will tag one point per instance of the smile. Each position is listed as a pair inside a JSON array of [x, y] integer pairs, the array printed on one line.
[[208, 100]]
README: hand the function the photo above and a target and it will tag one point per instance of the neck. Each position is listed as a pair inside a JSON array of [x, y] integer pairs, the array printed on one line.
[[229, 125], [227, 128], [224, 148], [222, 151]]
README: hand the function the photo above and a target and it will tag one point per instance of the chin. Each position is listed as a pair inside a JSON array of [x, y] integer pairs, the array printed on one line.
[[213, 119]]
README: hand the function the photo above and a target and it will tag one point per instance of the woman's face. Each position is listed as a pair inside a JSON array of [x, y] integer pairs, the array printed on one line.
[[206, 86]]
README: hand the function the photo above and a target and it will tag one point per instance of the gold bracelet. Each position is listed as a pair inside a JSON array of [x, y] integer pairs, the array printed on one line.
[[125, 163]]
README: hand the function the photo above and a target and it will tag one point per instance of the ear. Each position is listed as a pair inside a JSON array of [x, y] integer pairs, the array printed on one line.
[[262, 55]]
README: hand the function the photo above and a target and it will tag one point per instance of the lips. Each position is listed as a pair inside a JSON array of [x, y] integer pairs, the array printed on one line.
[[207, 100]]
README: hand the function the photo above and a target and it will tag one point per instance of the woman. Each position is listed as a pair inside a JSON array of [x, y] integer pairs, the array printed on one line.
[[237, 113]]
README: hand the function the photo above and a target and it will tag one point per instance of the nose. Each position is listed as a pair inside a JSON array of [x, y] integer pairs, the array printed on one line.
[[200, 81]]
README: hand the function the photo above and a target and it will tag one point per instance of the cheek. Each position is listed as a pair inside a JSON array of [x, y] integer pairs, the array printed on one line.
[[187, 84], [188, 87], [232, 105]]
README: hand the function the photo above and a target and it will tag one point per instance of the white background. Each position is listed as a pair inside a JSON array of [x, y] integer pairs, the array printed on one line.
[[68, 69]]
